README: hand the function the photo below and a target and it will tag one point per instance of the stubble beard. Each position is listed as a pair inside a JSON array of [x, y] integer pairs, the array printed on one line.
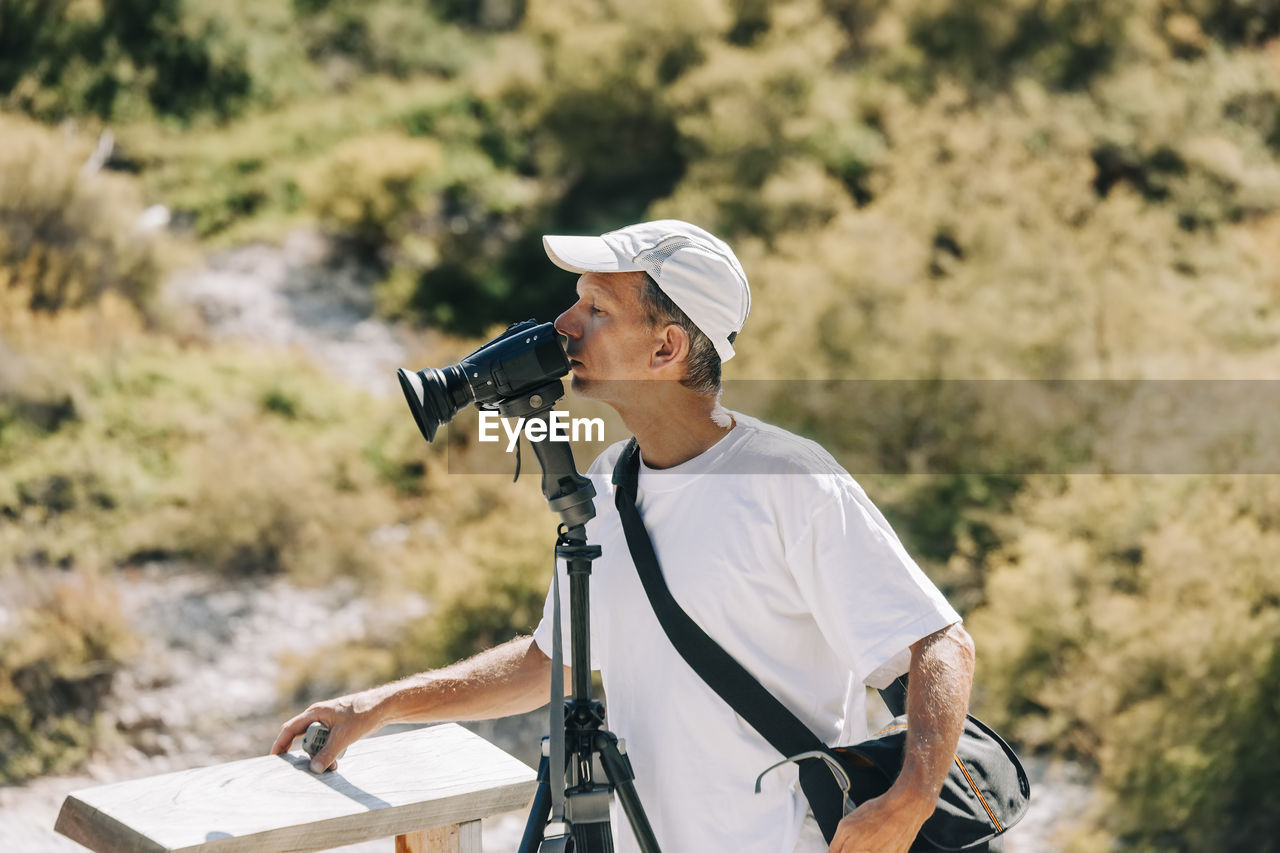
[[609, 391]]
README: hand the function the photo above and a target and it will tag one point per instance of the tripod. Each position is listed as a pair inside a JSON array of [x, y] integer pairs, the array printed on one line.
[[575, 819]]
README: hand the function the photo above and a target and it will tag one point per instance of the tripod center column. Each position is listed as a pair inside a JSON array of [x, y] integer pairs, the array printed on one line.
[[578, 556]]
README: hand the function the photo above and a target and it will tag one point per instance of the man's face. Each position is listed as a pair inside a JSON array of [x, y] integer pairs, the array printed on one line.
[[610, 340]]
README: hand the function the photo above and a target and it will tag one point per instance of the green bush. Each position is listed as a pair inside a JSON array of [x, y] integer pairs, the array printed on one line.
[[1066, 44], [197, 62], [59, 651], [485, 562], [1133, 622], [391, 36], [114, 58], [377, 189], [67, 236], [241, 461]]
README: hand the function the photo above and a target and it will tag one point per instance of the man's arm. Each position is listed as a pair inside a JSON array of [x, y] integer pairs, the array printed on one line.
[[937, 701], [510, 679]]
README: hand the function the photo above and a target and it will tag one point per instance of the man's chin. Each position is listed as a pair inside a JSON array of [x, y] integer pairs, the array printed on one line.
[[584, 388], [604, 390]]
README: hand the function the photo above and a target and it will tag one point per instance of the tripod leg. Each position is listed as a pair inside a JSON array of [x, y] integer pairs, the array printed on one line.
[[539, 811], [534, 839], [618, 768]]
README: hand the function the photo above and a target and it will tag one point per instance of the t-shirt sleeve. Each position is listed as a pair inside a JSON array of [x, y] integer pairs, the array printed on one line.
[[869, 598]]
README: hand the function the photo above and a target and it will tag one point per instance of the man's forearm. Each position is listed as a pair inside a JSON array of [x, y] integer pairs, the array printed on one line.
[[937, 701], [510, 679]]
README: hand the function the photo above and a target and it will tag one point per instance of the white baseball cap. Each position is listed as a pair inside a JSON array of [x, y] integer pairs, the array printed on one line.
[[695, 269]]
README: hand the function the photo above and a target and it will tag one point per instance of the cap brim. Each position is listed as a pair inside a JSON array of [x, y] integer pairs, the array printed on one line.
[[585, 254]]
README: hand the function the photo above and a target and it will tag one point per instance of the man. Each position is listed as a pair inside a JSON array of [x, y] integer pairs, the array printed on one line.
[[764, 541]]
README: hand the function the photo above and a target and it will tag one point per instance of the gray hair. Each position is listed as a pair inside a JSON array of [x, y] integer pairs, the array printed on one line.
[[703, 362]]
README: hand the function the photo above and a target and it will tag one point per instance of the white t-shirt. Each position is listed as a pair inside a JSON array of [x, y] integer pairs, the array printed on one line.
[[778, 554]]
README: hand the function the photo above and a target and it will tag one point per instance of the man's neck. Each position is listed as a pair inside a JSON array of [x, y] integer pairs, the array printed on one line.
[[675, 425]]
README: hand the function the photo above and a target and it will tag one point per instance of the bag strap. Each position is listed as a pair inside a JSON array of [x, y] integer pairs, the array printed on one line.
[[722, 673], [728, 678]]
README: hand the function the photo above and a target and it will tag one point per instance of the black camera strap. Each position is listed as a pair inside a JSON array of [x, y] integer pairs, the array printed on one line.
[[729, 679]]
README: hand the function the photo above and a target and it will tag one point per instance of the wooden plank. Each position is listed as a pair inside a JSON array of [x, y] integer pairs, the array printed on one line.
[[385, 786], [464, 838]]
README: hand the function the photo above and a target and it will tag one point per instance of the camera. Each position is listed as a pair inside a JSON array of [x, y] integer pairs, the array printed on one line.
[[518, 374], [525, 358]]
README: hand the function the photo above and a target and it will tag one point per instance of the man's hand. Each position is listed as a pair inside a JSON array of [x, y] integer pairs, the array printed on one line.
[[887, 824], [348, 719]]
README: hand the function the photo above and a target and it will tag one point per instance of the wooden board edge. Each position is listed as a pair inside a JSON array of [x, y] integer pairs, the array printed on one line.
[[337, 831], [99, 831]]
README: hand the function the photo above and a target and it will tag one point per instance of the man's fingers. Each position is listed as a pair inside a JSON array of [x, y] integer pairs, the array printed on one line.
[[288, 733], [336, 718], [291, 730]]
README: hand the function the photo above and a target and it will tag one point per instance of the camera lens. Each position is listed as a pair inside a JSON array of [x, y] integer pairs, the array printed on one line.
[[434, 396]]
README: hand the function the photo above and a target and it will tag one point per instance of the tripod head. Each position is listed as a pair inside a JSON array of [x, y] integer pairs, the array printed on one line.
[[568, 493]]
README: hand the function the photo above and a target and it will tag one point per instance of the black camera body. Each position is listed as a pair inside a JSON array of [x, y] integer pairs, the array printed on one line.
[[525, 358]]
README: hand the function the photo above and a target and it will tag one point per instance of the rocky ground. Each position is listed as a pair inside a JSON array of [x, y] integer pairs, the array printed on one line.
[[301, 294], [204, 688]]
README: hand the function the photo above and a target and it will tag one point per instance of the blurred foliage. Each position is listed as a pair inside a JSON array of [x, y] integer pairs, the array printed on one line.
[[69, 234], [63, 641], [1135, 621], [115, 447], [200, 61], [485, 573], [923, 190], [113, 58]]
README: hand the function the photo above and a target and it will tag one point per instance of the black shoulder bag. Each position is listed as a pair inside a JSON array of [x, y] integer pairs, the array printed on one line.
[[985, 793]]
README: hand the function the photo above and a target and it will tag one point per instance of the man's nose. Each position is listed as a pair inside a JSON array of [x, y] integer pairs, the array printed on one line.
[[567, 325]]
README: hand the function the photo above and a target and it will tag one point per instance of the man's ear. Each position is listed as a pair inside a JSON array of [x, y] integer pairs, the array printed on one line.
[[671, 347]]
